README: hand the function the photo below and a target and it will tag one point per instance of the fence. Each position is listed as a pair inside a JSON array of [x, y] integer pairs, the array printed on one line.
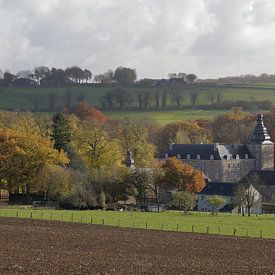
[[137, 224]]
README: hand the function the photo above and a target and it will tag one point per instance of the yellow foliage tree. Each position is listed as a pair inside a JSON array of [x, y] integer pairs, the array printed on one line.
[[23, 155]]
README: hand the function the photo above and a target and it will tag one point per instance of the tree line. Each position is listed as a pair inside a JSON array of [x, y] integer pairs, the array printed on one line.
[[78, 158]]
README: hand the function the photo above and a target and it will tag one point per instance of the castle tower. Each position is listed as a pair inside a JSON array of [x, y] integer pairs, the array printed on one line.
[[261, 147], [129, 162]]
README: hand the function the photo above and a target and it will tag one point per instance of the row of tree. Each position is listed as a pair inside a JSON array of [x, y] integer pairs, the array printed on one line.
[[53, 77]]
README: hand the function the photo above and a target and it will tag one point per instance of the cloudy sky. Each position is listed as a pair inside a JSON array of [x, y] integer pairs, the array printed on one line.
[[208, 37]]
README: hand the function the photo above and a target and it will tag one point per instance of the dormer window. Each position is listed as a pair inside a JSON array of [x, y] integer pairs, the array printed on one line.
[[246, 156], [188, 156], [178, 156], [211, 157], [166, 156], [198, 157]]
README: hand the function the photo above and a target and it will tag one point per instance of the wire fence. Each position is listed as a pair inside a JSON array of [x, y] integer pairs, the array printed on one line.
[[228, 230]]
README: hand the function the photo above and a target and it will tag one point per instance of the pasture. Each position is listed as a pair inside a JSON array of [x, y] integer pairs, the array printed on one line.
[[222, 224], [26, 98], [164, 117]]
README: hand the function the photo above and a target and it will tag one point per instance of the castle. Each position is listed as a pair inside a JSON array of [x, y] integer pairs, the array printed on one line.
[[228, 162]]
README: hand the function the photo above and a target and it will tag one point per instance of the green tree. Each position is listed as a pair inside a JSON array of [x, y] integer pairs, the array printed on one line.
[[216, 201], [61, 132], [184, 200], [125, 76]]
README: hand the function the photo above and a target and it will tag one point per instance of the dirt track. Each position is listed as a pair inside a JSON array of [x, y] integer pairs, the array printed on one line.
[[32, 247]]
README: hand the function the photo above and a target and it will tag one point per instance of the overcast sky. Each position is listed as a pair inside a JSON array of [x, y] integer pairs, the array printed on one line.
[[210, 38]]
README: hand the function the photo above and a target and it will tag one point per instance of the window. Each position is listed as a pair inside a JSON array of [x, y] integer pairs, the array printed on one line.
[[178, 156], [211, 157], [166, 156], [237, 157], [246, 156], [188, 156], [238, 165], [198, 157], [229, 165]]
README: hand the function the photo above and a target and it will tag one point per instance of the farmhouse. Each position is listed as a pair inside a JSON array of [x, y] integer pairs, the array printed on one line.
[[228, 162], [228, 192]]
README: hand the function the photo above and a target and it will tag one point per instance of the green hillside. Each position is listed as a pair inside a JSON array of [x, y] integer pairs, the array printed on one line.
[[39, 99]]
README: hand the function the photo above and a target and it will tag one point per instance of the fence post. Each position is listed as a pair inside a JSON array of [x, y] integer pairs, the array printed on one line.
[[31, 215], [162, 227], [103, 221], [17, 214], [192, 228], [91, 220], [146, 225], [207, 230], [234, 230], [41, 215], [81, 219], [261, 233], [219, 230]]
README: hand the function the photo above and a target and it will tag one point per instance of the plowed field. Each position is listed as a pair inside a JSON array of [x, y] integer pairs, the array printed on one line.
[[32, 247]]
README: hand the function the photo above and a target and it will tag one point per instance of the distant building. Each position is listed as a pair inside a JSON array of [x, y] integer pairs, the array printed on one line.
[[228, 162], [227, 190]]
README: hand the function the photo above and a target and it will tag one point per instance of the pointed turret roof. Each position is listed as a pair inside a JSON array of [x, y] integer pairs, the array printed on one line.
[[129, 162], [259, 134]]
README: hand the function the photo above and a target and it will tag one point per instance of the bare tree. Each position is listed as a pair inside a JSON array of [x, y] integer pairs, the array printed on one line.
[[177, 95], [194, 97]]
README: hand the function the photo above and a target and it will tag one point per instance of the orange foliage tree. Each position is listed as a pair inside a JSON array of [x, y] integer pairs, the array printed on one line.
[[180, 175], [85, 111]]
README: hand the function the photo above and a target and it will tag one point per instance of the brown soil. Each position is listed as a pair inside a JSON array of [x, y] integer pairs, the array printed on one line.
[[31, 247]]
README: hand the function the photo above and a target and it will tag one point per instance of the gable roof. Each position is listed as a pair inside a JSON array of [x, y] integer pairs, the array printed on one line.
[[218, 151], [219, 188]]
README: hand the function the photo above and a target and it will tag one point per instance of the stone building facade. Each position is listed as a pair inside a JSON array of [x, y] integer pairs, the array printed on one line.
[[228, 162]]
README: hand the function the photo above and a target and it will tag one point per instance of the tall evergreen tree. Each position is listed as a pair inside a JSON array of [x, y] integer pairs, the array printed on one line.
[[61, 134]]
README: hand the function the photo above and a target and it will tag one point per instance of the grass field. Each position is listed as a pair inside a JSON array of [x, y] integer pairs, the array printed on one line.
[[164, 117], [24, 97], [225, 224]]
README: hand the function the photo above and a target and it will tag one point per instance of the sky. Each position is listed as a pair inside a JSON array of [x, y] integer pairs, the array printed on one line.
[[211, 38]]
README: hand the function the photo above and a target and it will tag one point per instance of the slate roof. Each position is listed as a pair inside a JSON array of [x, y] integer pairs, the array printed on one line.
[[260, 134], [219, 151], [219, 188], [266, 177]]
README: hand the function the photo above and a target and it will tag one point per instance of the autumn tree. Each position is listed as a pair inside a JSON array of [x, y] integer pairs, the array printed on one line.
[[23, 155], [134, 136], [233, 127], [182, 132], [182, 176], [94, 148], [85, 111]]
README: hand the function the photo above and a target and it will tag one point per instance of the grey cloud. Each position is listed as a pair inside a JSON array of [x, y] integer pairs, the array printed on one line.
[[208, 37]]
